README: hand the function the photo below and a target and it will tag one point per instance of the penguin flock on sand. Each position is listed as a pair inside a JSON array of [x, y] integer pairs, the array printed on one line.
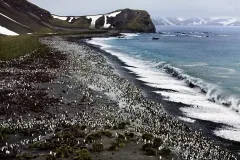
[[120, 102]]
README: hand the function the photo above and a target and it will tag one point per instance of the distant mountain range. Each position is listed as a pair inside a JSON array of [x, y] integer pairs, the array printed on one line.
[[211, 21]]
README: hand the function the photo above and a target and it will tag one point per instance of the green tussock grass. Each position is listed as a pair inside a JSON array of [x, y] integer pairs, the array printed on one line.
[[81, 22], [62, 33], [13, 47], [16, 46], [44, 30]]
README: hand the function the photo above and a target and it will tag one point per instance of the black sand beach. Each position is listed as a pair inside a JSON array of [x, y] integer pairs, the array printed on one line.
[[73, 102], [172, 108]]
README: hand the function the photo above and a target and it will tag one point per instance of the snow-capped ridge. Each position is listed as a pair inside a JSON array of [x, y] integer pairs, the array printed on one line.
[[214, 21]]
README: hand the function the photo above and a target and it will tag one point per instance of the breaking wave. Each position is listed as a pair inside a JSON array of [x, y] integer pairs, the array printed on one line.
[[213, 92], [208, 101]]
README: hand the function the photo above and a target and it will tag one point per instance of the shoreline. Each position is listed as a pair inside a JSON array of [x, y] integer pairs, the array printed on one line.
[[171, 108], [90, 99]]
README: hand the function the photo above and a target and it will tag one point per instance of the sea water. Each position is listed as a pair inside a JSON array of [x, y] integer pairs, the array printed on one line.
[[197, 66]]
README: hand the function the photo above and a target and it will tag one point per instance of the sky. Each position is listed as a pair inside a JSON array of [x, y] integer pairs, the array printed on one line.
[[165, 8]]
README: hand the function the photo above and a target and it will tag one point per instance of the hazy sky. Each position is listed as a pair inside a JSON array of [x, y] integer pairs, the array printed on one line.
[[186, 8]]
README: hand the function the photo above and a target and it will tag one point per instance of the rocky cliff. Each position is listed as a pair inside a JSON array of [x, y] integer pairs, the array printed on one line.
[[132, 20], [127, 20]]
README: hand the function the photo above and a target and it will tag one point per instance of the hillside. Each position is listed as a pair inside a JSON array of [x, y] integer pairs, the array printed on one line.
[[210, 21], [22, 17], [126, 20]]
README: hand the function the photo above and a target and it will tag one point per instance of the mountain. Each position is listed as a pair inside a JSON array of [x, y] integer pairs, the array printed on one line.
[[22, 17], [211, 21], [126, 20]]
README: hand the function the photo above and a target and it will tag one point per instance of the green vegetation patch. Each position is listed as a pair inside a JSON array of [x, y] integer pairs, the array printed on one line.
[[81, 22], [121, 125], [147, 145], [147, 136], [83, 155], [165, 151], [151, 152], [64, 152], [97, 147], [157, 142], [24, 156], [12, 47], [4, 132]]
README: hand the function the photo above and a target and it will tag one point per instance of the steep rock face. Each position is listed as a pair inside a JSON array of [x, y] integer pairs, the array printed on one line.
[[21, 17], [27, 7], [132, 20]]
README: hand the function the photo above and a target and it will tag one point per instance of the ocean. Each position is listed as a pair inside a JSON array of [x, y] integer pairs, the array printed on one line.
[[196, 66]]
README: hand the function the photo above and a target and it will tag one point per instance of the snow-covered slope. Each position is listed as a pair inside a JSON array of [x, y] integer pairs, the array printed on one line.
[[126, 20], [93, 18], [219, 21]]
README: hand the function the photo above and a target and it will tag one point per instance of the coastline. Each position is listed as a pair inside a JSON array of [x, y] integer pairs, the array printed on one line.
[[90, 92], [171, 108]]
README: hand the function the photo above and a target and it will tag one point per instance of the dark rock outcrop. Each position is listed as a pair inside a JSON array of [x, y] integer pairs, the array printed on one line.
[[100, 22], [132, 20]]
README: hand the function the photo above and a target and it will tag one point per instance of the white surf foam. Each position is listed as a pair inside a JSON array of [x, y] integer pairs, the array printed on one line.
[[200, 106], [130, 34], [196, 64], [229, 133], [186, 119]]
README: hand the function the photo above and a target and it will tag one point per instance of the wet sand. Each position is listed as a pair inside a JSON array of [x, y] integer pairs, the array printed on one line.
[[53, 103]]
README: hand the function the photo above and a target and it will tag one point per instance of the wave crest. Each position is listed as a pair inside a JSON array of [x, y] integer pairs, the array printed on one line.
[[213, 92]]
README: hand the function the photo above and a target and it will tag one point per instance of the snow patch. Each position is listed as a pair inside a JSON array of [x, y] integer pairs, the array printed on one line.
[[181, 19], [70, 20], [94, 18], [167, 21], [60, 17], [8, 32], [228, 22], [186, 119], [114, 14], [7, 4]]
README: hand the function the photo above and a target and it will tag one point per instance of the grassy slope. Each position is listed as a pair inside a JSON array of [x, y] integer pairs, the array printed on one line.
[[16, 46], [12, 47], [81, 22]]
